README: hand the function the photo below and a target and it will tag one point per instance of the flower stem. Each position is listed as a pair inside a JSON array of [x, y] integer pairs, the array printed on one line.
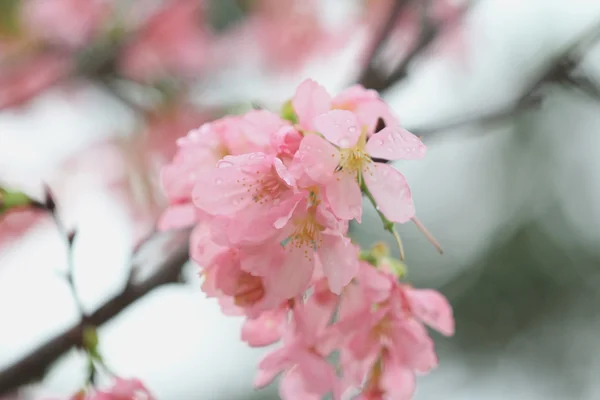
[[387, 224]]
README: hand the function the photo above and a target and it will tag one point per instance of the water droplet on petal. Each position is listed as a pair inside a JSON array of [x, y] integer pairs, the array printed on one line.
[[390, 150], [257, 156], [352, 129], [408, 150], [218, 181], [344, 142], [380, 142]]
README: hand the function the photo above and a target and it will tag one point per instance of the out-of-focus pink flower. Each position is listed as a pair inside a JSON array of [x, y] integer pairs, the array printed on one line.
[[122, 389], [30, 76], [71, 23], [172, 41], [16, 222], [284, 33]]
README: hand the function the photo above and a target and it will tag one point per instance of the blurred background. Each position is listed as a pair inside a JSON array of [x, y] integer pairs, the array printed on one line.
[[94, 93]]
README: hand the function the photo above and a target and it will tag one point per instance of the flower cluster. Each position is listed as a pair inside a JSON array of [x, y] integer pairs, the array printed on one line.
[[122, 389], [271, 197]]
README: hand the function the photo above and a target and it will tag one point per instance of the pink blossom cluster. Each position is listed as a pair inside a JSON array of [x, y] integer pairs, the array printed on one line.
[[271, 197], [122, 389]]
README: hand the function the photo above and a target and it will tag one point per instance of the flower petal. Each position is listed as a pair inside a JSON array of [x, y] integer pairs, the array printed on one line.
[[318, 157], [310, 100], [391, 192], [340, 127], [344, 197], [431, 307], [294, 273], [264, 330], [397, 380], [218, 191], [339, 259], [395, 144]]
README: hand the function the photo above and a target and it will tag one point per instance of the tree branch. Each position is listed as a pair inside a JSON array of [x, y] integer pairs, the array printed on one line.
[[370, 76], [558, 71], [34, 365]]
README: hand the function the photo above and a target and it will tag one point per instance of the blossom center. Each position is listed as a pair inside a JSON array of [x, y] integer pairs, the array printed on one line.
[[268, 187], [249, 290], [307, 233], [355, 159]]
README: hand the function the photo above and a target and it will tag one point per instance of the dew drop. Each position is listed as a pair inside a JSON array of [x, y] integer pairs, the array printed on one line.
[[352, 129], [408, 150], [390, 150], [218, 181], [344, 142], [380, 142]]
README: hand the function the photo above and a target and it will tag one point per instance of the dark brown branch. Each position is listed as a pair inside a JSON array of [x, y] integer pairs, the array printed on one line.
[[34, 365], [370, 76]]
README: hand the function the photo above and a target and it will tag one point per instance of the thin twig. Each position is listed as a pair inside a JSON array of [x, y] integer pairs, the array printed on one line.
[[34, 365], [558, 71]]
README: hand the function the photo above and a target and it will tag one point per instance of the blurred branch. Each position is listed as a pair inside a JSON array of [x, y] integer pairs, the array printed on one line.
[[558, 71], [372, 79], [34, 365], [370, 76]]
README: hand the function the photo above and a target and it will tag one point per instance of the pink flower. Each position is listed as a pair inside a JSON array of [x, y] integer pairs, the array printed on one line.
[[312, 100], [307, 374], [199, 150], [388, 342], [122, 389], [344, 160], [253, 189], [313, 236], [289, 32], [171, 42], [31, 76], [66, 22], [267, 328]]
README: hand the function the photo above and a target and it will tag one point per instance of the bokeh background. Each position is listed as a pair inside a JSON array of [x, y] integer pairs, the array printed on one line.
[[514, 201]]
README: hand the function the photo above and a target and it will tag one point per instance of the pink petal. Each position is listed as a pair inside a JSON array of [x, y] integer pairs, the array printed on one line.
[[295, 272], [218, 191], [376, 285], [340, 127], [309, 101], [340, 261], [395, 144], [177, 216], [293, 387], [344, 197], [202, 248], [432, 308], [411, 340], [391, 192], [316, 372], [318, 158], [264, 330], [271, 366], [397, 380]]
